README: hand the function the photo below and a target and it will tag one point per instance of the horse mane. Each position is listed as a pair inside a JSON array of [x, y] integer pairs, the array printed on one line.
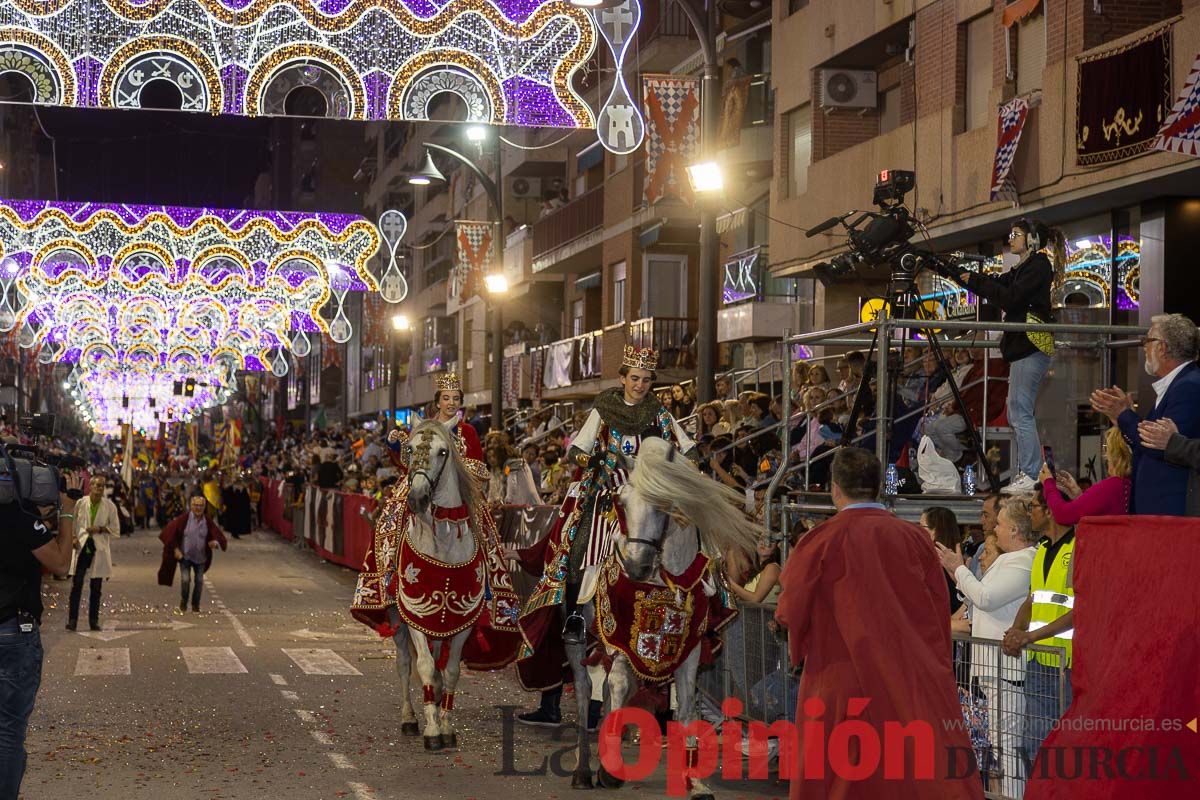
[[667, 481], [467, 489]]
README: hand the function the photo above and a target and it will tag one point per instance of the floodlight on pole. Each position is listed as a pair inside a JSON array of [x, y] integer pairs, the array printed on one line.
[[400, 322], [476, 133], [497, 283], [427, 174], [706, 177]]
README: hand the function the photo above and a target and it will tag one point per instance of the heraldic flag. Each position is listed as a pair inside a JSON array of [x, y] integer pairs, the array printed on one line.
[[672, 134], [1181, 130], [1008, 136]]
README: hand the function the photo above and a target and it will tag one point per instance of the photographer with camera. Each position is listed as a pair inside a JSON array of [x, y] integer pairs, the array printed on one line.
[[27, 547], [1023, 294]]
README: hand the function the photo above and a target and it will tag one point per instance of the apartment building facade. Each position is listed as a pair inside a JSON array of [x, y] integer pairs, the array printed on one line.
[[590, 264], [866, 86]]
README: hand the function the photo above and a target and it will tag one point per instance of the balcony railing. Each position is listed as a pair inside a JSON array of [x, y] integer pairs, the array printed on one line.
[[581, 216], [672, 337], [662, 18], [569, 361]]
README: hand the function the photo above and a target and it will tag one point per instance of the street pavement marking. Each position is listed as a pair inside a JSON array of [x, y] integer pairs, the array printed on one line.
[[321, 662], [363, 792], [212, 661], [103, 661], [340, 761], [321, 737], [290, 696], [278, 680], [306, 716], [238, 628]]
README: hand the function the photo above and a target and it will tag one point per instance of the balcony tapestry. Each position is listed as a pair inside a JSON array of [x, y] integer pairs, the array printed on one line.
[[1008, 136], [474, 258], [733, 111], [672, 134], [1181, 132], [1124, 95]]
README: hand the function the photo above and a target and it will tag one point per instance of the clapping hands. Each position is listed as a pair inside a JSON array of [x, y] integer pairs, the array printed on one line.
[[1111, 402], [1157, 433]]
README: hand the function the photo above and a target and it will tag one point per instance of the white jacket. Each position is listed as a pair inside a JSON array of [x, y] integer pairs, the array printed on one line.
[[106, 517], [995, 601]]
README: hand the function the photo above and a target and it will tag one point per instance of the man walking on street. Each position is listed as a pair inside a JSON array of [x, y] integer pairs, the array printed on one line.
[[96, 522], [189, 540]]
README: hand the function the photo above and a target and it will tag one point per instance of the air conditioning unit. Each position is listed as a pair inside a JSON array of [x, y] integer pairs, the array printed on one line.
[[849, 88], [523, 187]]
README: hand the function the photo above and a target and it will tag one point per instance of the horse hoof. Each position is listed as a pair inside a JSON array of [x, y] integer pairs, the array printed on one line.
[[449, 740], [581, 779], [433, 742], [409, 729], [607, 780]]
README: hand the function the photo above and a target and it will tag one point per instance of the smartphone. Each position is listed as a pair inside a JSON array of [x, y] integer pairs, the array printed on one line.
[[1048, 457]]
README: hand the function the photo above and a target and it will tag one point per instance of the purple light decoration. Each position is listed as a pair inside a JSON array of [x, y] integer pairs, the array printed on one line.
[[87, 80], [377, 84], [531, 103], [233, 80]]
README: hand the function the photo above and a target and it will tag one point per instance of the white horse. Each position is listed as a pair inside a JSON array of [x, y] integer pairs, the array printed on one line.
[[663, 488], [438, 479]]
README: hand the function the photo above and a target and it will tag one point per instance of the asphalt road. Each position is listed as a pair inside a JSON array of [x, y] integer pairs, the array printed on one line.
[[271, 692]]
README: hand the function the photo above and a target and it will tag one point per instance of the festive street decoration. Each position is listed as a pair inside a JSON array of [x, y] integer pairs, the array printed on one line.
[[174, 279], [619, 125], [474, 241], [511, 61], [1124, 94], [1008, 136], [1180, 132], [673, 135], [392, 285]]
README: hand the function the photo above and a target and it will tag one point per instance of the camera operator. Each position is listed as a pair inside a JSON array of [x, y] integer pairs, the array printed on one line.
[[1023, 294], [26, 548]]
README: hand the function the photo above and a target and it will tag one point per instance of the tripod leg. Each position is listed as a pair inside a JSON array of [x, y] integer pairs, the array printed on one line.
[[972, 432]]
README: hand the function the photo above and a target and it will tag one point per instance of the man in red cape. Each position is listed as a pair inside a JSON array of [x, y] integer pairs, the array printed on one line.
[[864, 603]]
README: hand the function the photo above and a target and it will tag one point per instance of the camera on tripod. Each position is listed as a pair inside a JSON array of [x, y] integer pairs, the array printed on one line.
[[885, 238]]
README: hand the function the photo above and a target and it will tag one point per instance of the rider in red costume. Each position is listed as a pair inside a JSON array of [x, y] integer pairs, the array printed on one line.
[[447, 403]]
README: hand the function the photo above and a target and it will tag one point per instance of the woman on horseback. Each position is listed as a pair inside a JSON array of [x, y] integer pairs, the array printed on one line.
[[447, 409]]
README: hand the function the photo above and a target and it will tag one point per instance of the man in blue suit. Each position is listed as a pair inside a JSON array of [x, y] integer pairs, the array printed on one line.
[[1171, 347]]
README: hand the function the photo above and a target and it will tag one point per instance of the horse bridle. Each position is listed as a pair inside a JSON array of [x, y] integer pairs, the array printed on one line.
[[657, 545], [422, 453]]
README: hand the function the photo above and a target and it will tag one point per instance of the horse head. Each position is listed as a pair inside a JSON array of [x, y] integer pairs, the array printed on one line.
[[437, 474]]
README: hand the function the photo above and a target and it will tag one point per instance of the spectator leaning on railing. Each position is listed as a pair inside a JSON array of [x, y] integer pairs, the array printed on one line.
[[994, 602], [1171, 346]]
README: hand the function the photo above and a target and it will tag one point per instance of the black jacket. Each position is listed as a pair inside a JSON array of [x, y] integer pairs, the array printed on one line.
[[1019, 292]]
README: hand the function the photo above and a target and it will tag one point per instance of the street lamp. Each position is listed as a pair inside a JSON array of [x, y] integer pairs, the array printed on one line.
[[427, 174], [476, 133], [706, 177], [400, 322], [497, 283]]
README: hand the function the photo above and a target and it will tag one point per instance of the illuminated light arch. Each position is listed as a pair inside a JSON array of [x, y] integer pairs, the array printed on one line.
[[138, 263], [296, 65], [36, 57], [140, 62], [479, 94], [209, 48], [62, 254]]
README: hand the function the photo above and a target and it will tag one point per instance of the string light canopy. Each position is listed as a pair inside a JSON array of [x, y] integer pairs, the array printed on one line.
[[510, 61], [175, 280]]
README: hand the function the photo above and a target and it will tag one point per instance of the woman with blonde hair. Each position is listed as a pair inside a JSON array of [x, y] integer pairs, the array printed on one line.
[[1068, 503]]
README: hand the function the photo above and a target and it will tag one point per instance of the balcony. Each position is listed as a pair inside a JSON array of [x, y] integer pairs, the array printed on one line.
[[672, 337], [568, 362], [664, 37], [569, 231]]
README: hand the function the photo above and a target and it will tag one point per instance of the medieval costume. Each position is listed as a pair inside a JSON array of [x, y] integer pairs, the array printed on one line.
[[493, 605], [570, 558], [858, 590]]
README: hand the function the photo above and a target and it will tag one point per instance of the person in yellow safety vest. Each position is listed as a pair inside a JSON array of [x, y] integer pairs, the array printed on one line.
[[1045, 618]]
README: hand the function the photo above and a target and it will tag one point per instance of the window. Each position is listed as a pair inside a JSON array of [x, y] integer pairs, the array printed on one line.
[[800, 155], [577, 317], [1031, 53], [978, 111], [618, 292], [889, 109]]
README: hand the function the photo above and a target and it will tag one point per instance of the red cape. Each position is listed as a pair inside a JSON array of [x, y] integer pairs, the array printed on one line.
[[172, 538], [1134, 666], [864, 602]]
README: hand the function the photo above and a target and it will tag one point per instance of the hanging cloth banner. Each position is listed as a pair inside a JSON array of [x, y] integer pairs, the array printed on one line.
[[672, 134], [474, 255], [733, 111], [1181, 131], [1123, 97], [1008, 136]]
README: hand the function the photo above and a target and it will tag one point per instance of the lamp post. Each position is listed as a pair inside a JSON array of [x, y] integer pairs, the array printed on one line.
[[399, 325], [429, 173]]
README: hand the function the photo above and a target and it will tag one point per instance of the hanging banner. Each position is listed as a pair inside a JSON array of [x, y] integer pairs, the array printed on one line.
[[1008, 136], [1123, 97], [1181, 131], [474, 256], [672, 134]]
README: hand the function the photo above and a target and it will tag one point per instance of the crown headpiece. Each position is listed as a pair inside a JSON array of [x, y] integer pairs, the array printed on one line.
[[640, 358], [448, 382]]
